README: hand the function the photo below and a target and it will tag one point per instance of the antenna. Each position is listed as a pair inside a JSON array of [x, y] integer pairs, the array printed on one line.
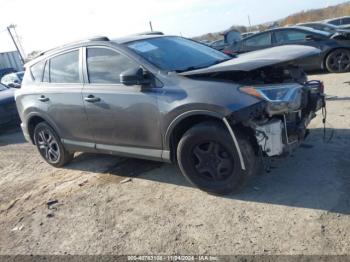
[[150, 25]]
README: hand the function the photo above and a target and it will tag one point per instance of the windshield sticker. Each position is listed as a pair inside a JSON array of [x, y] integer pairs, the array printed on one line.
[[143, 47]]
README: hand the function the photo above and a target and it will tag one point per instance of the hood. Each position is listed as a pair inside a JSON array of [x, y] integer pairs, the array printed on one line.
[[7, 96], [258, 59]]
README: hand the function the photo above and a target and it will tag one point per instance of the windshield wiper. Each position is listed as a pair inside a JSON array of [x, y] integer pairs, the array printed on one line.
[[190, 68]]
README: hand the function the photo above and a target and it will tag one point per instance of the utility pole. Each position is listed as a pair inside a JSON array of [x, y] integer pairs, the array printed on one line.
[[14, 41], [250, 25], [150, 25]]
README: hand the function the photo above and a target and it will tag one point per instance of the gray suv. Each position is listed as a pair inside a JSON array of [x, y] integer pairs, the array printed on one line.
[[170, 99]]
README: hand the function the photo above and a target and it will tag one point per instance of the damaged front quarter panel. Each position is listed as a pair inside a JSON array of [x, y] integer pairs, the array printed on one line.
[[280, 121], [287, 102]]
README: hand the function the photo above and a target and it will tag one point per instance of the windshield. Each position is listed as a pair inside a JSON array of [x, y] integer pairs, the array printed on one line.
[[2, 87], [177, 53]]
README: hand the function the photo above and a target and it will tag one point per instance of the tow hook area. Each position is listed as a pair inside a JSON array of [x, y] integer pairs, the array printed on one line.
[[279, 137], [269, 137]]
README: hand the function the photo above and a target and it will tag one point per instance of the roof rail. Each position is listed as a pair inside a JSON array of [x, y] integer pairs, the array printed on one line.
[[95, 38], [151, 33]]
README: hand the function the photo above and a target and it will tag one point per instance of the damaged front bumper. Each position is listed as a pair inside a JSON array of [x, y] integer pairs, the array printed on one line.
[[280, 121]]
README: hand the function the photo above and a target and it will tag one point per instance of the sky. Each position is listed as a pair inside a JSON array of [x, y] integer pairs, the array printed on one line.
[[44, 24]]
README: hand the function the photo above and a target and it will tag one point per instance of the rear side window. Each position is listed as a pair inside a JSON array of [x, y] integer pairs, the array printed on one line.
[[37, 71], [105, 65], [335, 22], [345, 21], [290, 36], [65, 68], [259, 40]]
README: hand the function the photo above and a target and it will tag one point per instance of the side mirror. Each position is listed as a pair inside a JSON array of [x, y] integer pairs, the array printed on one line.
[[135, 76], [312, 38]]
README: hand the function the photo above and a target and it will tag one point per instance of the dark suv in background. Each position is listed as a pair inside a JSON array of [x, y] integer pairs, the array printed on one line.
[[169, 99]]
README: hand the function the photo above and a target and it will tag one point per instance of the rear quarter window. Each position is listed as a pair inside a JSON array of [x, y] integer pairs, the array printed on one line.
[[37, 71]]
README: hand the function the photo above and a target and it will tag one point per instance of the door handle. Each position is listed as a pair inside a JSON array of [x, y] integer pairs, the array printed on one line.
[[43, 99], [92, 99]]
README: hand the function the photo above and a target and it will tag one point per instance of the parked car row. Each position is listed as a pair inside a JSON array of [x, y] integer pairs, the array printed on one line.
[[343, 22], [8, 111], [13, 80]]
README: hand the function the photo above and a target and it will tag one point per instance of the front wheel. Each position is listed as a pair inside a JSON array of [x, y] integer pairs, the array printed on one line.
[[50, 146], [208, 158], [338, 61]]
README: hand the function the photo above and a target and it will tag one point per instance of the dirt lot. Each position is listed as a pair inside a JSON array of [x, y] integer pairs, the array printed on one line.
[[108, 205]]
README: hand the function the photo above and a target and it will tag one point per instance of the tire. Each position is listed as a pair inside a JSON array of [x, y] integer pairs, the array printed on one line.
[[50, 146], [338, 61], [208, 158]]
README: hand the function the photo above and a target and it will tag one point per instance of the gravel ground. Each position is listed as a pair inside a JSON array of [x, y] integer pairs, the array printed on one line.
[[108, 205]]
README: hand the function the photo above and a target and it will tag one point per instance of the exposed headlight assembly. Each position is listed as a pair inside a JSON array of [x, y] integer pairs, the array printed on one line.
[[281, 98]]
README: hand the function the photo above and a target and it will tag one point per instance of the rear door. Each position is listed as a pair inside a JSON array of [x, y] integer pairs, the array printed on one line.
[[60, 97], [123, 119]]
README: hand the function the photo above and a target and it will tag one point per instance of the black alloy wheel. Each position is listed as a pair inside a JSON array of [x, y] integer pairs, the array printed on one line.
[[209, 158], [212, 161], [338, 61]]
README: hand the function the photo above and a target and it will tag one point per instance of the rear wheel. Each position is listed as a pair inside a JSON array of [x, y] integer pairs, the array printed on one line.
[[208, 158], [338, 61], [50, 146]]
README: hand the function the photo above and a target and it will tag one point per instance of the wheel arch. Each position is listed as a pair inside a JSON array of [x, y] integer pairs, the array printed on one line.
[[184, 122], [33, 121]]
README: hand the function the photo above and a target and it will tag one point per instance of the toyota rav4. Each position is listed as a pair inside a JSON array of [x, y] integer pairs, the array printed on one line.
[[170, 99]]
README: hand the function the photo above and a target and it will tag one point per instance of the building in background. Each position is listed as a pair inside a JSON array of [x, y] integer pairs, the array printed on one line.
[[10, 60]]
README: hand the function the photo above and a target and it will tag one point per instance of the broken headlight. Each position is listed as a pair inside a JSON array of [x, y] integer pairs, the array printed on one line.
[[281, 98]]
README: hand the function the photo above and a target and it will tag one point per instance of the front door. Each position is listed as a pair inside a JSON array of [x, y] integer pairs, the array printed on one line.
[[124, 119], [300, 37]]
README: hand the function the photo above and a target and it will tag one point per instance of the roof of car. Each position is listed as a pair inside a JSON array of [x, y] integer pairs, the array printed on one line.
[[336, 18], [121, 40], [131, 38], [318, 23], [292, 27]]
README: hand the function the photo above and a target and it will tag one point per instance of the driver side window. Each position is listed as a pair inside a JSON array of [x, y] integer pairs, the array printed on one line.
[[259, 40], [104, 65], [290, 36]]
